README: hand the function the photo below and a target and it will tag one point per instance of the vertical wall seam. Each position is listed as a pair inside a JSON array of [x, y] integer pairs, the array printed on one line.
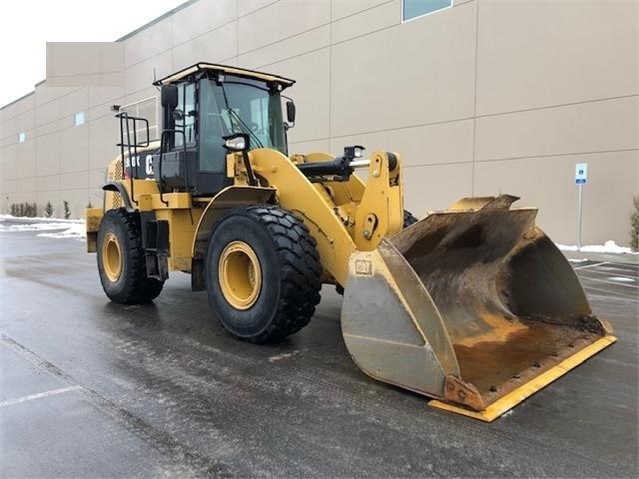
[[330, 75], [237, 33], [472, 178]]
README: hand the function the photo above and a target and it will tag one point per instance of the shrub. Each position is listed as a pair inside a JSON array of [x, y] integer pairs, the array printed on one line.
[[634, 224], [30, 210], [48, 210], [67, 210]]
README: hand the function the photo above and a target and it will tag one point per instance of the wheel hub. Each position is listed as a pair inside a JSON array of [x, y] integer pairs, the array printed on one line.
[[240, 275], [112, 257]]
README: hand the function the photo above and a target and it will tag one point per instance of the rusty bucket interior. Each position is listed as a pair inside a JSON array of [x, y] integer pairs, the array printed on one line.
[[508, 301]]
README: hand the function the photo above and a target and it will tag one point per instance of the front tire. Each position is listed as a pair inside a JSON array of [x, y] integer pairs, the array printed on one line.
[[121, 259], [263, 273]]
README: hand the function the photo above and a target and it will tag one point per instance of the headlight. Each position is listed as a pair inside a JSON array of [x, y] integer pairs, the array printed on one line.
[[237, 142]]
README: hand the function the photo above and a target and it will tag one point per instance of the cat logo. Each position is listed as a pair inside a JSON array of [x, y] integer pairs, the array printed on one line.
[[363, 267]]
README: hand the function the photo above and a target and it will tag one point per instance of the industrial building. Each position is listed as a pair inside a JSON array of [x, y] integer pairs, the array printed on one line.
[[478, 96]]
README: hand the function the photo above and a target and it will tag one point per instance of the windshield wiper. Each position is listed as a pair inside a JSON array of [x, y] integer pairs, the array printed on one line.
[[243, 126], [234, 114]]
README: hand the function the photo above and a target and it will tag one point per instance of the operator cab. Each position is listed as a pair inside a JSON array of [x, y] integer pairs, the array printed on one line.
[[202, 106]]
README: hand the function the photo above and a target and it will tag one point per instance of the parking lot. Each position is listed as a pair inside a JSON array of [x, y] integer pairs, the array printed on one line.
[[94, 389]]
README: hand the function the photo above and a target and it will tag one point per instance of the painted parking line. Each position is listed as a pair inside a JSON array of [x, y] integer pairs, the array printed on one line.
[[31, 397], [616, 283], [591, 265]]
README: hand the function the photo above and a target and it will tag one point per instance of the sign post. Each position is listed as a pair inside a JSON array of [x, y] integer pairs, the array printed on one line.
[[581, 177]]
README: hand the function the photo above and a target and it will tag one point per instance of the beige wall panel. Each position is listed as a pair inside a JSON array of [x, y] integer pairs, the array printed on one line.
[[297, 45], [7, 112], [45, 94], [103, 136], [99, 112], [102, 95], [25, 159], [53, 196], [48, 159], [310, 93], [140, 76], [202, 17], [9, 133], [48, 183], [78, 199], [53, 127], [8, 161], [97, 178], [548, 183], [346, 8], [8, 186], [23, 122], [415, 73], [459, 2], [148, 43], [47, 113], [26, 185], [71, 181], [210, 47], [24, 105], [149, 92], [585, 127], [71, 64], [433, 144], [106, 80], [309, 147], [534, 53], [435, 187], [376, 18], [74, 103], [74, 149], [20, 197], [245, 7], [279, 21]]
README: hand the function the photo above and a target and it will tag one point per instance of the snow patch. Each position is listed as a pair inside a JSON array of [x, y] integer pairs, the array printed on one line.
[[35, 227], [608, 247], [577, 260], [75, 231], [38, 219], [60, 228]]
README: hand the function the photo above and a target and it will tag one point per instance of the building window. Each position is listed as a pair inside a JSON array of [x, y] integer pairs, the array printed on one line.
[[417, 8], [21, 137], [144, 109], [79, 119]]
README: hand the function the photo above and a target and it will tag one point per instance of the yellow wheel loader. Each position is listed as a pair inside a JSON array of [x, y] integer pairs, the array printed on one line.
[[473, 306]]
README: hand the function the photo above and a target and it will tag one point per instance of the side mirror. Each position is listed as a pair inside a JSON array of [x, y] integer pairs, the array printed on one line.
[[169, 96], [290, 111]]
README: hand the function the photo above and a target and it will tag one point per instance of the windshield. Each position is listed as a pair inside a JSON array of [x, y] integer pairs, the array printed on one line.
[[246, 107]]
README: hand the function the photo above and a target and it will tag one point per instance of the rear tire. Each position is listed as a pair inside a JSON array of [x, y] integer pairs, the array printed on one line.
[[263, 273], [121, 259]]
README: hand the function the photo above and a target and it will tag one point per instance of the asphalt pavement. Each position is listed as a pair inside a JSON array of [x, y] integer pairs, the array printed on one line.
[[94, 389]]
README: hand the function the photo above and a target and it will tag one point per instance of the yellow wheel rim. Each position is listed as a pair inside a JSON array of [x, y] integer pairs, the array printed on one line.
[[240, 275], [112, 257]]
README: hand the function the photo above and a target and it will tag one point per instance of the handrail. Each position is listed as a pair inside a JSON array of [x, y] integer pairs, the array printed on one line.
[[132, 148]]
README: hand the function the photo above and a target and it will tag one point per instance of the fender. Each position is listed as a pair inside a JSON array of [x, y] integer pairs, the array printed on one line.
[[228, 198], [118, 187]]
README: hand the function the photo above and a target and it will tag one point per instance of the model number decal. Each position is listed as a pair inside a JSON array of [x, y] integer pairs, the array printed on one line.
[[135, 161]]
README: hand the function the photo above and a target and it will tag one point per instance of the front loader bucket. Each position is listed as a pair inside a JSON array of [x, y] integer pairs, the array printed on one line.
[[474, 306]]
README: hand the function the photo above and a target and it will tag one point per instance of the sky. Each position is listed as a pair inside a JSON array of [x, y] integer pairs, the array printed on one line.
[[29, 24]]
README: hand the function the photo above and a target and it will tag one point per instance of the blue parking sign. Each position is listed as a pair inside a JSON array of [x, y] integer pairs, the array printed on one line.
[[581, 173]]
